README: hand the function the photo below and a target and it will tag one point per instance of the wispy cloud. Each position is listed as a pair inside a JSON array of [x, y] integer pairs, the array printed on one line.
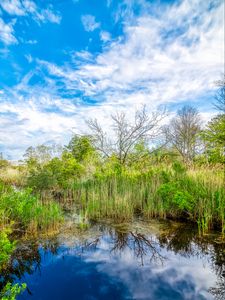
[[166, 55], [28, 7], [47, 15], [22, 8], [172, 55], [7, 35], [89, 22], [14, 7], [29, 58]]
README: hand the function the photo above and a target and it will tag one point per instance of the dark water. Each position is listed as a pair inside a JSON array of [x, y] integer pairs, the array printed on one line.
[[132, 261]]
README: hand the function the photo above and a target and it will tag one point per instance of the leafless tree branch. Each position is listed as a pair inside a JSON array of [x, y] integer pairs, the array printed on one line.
[[126, 133]]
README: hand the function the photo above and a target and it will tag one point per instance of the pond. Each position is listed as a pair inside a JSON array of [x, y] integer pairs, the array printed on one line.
[[141, 260]]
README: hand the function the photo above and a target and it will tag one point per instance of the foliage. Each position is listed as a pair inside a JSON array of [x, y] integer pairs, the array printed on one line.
[[169, 191], [175, 198], [81, 147], [214, 138], [3, 163], [178, 180], [11, 291], [26, 211], [6, 247], [56, 173]]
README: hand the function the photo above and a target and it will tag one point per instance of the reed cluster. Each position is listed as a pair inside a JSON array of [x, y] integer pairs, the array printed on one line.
[[172, 192]]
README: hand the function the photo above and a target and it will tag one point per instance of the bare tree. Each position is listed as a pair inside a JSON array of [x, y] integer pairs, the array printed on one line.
[[220, 95], [126, 134], [183, 132]]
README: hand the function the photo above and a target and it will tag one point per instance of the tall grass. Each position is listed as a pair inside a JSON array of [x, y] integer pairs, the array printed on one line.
[[173, 192], [12, 175]]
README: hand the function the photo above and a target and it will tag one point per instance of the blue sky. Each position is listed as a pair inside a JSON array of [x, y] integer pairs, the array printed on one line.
[[64, 61]]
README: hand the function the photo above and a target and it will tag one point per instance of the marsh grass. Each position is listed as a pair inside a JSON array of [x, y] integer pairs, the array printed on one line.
[[14, 176], [174, 192]]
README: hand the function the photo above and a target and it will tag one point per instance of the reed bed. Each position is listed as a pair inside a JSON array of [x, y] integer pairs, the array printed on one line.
[[14, 176], [195, 196]]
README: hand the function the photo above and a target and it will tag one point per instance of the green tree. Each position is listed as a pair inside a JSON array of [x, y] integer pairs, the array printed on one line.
[[81, 147], [214, 139], [30, 157]]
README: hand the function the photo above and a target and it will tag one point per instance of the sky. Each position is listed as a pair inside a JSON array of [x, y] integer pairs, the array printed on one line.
[[65, 61]]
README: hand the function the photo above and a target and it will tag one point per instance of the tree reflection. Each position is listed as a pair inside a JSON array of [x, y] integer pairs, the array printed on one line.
[[186, 241], [219, 291], [145, 246], [141, 245], [26, 259]]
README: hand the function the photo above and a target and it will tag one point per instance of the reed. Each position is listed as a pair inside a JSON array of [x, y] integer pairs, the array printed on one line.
[[173, 192], [11, 175]]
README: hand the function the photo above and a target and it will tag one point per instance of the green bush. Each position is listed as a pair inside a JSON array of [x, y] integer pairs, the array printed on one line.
[[175, 199], [11, 291], [26, 211], [6, 247]]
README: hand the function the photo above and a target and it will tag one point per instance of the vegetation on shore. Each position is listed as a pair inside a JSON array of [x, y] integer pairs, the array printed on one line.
[[118, 175], [22, 213], [10, 291]]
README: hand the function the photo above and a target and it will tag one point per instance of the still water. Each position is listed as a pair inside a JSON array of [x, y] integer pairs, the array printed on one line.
[[143, 260]]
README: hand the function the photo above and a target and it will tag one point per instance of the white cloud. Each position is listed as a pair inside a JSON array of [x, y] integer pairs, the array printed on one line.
[[7, 33], [21, 8], [28, 7], [159, 60], [173, 55], [13, 7], [31, 42], [28, 124], [89, 22], [47, 15], [105, 36]]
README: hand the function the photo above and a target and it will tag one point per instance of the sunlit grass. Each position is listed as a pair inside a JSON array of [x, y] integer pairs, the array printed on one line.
[[194, 195], [13, 175]]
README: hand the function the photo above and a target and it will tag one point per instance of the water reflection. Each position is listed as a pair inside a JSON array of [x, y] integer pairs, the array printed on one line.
[[130, 261]]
